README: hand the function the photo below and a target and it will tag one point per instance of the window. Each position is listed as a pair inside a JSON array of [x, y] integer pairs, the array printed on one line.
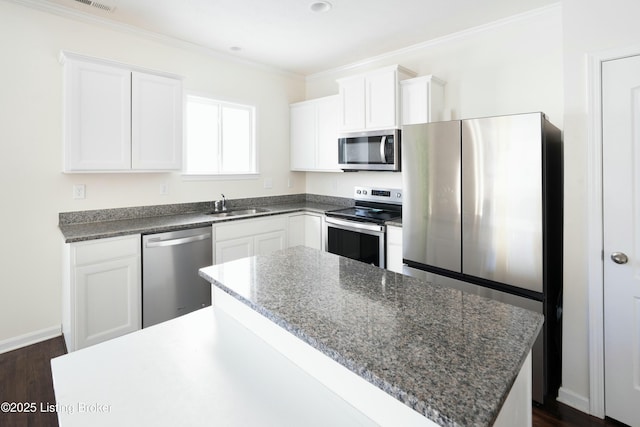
[[220, 137]]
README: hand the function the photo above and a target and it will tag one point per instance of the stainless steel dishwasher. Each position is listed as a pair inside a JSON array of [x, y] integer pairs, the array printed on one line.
[[171, 286]]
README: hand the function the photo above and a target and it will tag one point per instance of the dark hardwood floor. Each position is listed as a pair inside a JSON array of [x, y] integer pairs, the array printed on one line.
[[25, 378], [554, 414], [25, 381]]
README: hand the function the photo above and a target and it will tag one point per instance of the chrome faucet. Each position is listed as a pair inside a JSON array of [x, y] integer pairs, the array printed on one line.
[[220, 205]]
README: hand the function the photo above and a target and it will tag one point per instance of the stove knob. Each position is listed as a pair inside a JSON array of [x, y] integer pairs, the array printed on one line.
[[359, 191], [398, 195], [364, 192]]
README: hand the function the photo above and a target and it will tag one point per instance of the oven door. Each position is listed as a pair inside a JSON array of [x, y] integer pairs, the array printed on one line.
[[361, 241]]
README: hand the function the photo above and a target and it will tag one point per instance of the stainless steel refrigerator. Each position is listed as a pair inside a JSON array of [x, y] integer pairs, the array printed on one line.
[[483, 206]]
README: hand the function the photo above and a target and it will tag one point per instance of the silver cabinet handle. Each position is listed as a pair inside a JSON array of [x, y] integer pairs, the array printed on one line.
[[619, 258]]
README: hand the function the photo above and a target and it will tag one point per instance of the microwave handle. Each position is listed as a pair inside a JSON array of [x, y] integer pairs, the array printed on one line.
[[383, 154]]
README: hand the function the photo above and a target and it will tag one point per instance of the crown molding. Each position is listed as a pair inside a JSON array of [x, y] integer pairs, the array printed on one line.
[[87, 18], [437, 41]]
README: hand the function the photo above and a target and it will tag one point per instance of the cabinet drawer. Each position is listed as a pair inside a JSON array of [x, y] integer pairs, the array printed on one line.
[[250, 227], [105, 249]]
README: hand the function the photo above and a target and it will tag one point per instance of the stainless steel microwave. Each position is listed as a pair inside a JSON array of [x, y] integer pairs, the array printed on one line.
[[374, 151]]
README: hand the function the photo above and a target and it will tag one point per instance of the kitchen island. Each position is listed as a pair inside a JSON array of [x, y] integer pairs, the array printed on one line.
[[448, 356], [323, 340]]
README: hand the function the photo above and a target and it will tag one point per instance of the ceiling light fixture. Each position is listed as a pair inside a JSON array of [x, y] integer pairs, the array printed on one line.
[[320, 6], [235, 48]]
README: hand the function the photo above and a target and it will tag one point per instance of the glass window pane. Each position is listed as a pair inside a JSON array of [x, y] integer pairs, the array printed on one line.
[[201, 137], [236, 140], [219, 137]]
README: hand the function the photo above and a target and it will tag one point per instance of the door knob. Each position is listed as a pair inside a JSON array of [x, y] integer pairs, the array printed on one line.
[[619, 258]]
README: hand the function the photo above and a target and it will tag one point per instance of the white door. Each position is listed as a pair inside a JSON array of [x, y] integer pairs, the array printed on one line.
[[621, 200]]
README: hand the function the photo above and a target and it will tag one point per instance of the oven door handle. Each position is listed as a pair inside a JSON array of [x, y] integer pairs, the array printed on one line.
[[355, 225]]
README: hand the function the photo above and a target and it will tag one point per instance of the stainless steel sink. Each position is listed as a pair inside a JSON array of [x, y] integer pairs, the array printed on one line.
[[238, 212]]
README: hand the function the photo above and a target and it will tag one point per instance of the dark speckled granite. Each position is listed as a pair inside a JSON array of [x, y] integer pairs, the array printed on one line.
[[103, 223], [449, 355]]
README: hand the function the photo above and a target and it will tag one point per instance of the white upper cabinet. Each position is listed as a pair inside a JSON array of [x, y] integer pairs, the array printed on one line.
[[314, 134], [370, 101], [97, 117], [156, 124], [422, 100], [117, 118], [303, 135]]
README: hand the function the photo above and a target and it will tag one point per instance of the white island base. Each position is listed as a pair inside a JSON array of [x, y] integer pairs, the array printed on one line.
[[201, 369]]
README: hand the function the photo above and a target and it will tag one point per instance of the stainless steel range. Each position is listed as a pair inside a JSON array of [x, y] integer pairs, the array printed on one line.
[[360, 232]]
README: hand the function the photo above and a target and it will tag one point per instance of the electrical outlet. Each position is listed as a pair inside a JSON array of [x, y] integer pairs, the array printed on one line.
[[164, 189], [268, 183], [291, 183], [79, 191]]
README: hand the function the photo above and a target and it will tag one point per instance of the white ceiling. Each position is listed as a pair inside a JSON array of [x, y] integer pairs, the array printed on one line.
[[287, 35]]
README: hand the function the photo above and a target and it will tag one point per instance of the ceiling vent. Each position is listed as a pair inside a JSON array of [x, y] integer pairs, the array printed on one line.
[[107, 6]]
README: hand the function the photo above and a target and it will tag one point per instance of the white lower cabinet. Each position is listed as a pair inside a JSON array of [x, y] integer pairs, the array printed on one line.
[[102, 289], [244, 238], [306, 229], [394, 248]]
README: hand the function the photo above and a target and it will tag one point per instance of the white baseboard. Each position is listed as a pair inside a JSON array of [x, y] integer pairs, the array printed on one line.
[[573, 399], [30, 338]]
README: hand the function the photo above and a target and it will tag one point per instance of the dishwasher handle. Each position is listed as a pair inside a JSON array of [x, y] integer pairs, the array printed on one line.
[[157, 242]]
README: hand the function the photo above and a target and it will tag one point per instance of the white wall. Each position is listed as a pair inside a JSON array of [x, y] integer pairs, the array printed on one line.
[[34, 190], [590, 26], [513, 66]]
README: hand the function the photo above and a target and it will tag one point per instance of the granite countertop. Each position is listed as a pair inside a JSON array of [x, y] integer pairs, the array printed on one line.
[[98, 224], [449, 355]]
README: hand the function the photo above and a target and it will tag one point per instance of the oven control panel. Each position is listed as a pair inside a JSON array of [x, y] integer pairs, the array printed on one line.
[[380, 195]]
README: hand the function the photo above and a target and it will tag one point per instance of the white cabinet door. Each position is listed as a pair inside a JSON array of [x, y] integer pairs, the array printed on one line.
[[370, 101], [314, 135], [352, 104], [422, 100], [97, 121], [327, 134], [107, 300], [103, 290], [381, 98], [156, 122], [230, 250], [266, 243], [394, 249], [303, 135], [306, 230]]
